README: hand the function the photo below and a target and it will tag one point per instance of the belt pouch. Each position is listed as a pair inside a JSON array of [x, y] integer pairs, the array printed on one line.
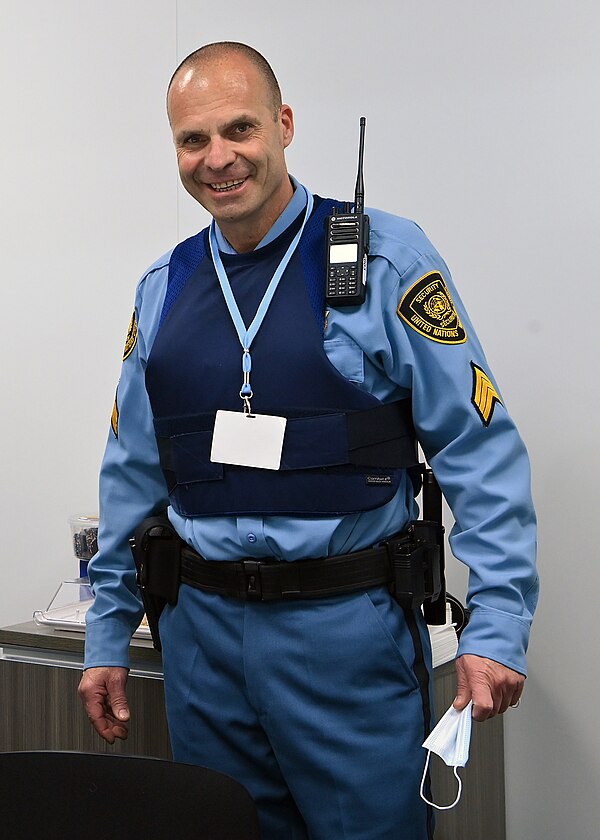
[[156, 549], [416, 563]]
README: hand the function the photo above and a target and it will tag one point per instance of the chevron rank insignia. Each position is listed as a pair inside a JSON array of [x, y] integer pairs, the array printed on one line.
[[428, 308], [131, 340], [484, 396], [114, 419]]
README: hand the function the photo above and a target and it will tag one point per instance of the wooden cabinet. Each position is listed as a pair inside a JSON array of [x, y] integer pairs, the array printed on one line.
[[39, 710]]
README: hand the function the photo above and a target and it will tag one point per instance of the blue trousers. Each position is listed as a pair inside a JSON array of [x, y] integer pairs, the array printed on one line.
[[318, 707]]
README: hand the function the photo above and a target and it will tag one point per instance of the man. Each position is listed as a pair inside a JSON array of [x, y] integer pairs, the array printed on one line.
[[318, 705]]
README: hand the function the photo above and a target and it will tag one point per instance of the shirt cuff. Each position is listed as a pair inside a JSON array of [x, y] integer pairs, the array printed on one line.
[[107, 644], [498, 636]]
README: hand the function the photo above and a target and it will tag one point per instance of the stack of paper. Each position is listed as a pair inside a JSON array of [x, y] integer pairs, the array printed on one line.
[[444, 641]]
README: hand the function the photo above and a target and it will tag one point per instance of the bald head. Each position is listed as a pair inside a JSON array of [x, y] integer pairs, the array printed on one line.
[[230, 131], [219, 53]]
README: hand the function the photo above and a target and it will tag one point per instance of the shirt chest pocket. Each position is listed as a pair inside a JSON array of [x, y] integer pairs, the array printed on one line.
[[345, 355]]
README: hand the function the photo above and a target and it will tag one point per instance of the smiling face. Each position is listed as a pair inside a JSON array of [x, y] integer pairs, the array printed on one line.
[[230, 138]]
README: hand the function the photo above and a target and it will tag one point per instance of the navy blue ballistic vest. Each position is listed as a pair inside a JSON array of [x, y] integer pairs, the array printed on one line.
[[194, 369]]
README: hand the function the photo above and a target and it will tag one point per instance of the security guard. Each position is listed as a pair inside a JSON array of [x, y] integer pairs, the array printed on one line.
[[318, 705]]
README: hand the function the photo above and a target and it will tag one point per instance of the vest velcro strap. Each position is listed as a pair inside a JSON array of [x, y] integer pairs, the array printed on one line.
[[382, 436], [268, 580]]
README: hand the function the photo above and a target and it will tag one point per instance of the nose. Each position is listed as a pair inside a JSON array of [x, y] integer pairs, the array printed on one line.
[[218, 154]]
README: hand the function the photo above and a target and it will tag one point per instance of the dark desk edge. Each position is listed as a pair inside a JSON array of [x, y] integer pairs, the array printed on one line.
[[32, 635]]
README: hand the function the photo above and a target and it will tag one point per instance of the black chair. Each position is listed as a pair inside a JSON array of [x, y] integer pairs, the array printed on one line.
[[97, 796]]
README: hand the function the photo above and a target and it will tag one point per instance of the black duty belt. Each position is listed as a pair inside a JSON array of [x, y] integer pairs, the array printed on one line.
[[274, 580]]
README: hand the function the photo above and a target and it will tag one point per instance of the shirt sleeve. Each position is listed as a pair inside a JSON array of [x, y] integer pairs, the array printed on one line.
[[475, 451], [132, 487]]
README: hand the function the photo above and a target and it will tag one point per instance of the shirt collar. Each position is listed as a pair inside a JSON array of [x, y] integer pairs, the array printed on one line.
[[296, 204]]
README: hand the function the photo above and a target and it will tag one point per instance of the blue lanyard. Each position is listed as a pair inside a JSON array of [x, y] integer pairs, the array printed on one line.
[[247, 335]]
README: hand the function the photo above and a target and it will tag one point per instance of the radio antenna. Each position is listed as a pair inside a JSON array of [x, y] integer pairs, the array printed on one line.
[[359, 193]]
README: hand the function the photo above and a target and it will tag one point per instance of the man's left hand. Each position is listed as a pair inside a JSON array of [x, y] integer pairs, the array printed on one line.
[[491, 686]]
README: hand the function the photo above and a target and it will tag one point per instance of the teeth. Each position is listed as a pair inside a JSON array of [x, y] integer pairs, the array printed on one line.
[[227, 185]]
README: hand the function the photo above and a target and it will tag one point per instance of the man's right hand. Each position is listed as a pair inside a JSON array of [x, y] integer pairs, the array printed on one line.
[[102, 691]]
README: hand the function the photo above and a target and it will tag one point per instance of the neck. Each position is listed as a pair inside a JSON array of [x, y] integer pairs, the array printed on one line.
[[245, 235]]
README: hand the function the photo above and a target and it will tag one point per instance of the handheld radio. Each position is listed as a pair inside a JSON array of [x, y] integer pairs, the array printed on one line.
[[348, 245]]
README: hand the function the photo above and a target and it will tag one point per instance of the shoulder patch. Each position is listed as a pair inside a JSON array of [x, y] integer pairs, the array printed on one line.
[[114, 419], [484, 396], [428, 308], [131, 339]]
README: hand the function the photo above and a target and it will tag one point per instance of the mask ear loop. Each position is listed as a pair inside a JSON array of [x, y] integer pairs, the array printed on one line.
[[424, 798]]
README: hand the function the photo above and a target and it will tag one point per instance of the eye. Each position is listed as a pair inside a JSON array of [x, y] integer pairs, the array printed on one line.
[[192, 140], [241, 129]]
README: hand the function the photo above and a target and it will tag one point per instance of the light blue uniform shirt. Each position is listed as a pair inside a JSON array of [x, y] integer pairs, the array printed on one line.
[[483, 470]]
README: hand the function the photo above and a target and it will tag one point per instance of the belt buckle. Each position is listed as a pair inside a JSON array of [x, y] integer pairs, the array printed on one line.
[[252, 580]]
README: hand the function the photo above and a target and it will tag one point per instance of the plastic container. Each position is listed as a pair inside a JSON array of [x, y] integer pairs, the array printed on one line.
[[84, 538]]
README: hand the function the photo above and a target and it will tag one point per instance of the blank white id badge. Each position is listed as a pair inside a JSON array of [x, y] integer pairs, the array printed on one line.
[[248, 440]]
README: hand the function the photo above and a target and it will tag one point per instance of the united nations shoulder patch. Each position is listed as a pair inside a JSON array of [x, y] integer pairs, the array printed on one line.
[[428, 308], [131, 340], [484, 396]]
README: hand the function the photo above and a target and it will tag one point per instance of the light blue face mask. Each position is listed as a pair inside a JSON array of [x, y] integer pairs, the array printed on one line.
[[450, 739]]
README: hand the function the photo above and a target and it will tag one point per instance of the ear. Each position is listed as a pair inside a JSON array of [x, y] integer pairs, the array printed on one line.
[[286, 118]]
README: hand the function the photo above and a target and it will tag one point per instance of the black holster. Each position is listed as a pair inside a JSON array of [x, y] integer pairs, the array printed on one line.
[[417, 566], [156, 549]]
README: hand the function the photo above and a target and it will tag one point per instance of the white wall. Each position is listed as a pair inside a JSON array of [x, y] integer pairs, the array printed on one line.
[[482, 125], [88, 199]]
